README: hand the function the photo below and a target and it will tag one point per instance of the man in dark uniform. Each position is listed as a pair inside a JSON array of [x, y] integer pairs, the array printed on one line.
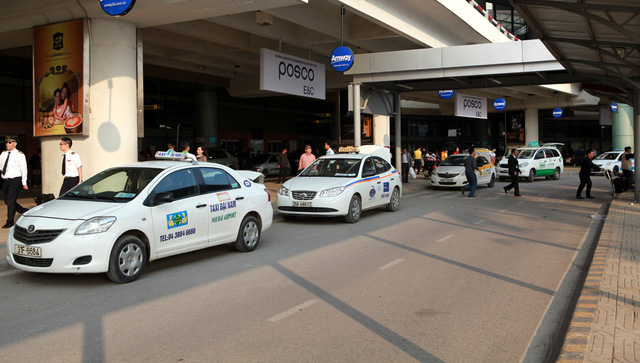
[[514, 172], [284, 167], [585, 175], [14, 172]]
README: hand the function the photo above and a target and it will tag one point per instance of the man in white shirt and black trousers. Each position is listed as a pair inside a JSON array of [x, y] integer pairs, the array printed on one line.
[[71, 166], [14, 172]]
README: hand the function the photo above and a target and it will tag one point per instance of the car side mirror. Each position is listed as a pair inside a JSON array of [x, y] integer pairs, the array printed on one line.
[[163, 198]]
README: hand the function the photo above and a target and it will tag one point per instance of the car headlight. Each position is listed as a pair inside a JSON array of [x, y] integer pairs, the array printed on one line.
[[332, 192], [95, 225], [283, 191], [523, 165]]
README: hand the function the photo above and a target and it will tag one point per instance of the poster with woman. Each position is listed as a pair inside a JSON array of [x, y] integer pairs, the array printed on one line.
[[58, 85]]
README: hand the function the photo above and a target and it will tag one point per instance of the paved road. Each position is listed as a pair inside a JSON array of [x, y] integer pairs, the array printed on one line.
[[446, 278]]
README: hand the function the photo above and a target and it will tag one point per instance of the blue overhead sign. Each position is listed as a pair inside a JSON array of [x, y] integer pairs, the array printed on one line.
[[117, 7], [446, 94], [499, 104], [557, 112], [342, 58], [614, 107]]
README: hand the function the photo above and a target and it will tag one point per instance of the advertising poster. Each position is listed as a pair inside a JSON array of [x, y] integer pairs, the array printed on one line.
[[58, 85], [366, 129]]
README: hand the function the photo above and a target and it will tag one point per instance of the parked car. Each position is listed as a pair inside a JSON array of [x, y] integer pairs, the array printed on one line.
[[450, 172], [266, 164], [124, 217], [342, 185], [610, 160], [224, 157], [534, 162]]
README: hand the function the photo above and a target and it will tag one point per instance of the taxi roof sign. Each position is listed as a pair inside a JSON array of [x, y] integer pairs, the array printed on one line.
[[171, 155]]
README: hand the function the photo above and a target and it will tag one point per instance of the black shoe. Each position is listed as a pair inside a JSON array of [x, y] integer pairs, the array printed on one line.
[[462, 190], [517, 195], [7, 225], [579, 197], [590, 197], [473, 196], [505, 190]]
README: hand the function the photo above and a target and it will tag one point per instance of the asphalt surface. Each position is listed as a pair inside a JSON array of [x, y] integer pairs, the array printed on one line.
[[446, 278]]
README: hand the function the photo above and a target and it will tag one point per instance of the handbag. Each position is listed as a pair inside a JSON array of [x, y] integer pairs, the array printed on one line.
[[412, 172]]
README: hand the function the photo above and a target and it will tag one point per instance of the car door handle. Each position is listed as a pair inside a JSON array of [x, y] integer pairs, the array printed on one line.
[[201, 205], [239, 198]]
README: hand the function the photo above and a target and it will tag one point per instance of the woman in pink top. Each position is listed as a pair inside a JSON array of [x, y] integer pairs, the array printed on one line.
[[306, 158]]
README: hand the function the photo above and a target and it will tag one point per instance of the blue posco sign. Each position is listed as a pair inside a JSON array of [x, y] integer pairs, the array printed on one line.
[[499, 104], [614, 107], [117, 7], [446, 94], [342, 58], [557, 112]]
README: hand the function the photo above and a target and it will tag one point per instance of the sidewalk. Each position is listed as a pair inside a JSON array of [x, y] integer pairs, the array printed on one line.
[[606, 322]]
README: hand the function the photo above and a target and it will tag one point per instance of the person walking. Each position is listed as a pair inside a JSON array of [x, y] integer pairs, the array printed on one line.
[[417, 160], [514, 172], [185, 150], [470, 168], [284, 167], [14, 175], [585, 175], [71, 166], [327, 148], [406, 164], [306, 159]]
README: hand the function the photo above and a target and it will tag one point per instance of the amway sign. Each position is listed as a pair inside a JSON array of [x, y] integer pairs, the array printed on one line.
[[280, 72]]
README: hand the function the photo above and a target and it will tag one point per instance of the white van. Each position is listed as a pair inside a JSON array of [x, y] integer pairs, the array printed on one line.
[[533, 162]]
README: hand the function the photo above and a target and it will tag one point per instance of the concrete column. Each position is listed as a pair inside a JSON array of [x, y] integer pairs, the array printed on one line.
[[111, 118], [636, 138], [206, 124], [531, 125], [398, 130], [357, 131], [381, 130], [622, 127]]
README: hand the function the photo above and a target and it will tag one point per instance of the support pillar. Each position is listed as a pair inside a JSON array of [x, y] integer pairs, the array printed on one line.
[[636, 139], [206, 124], [357, 131], [622, 127], [112, 113], [531, 125], [398, 130]]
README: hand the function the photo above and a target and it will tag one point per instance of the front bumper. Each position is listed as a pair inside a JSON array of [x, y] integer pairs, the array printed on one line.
[[458, 181], [318, 207]]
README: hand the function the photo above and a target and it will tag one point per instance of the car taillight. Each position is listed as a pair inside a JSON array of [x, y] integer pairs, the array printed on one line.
[[268, 194]]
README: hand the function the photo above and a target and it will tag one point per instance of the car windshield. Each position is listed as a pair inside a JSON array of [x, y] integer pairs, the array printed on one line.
[[454, 160], [118, 185], [607, 156], [339, 168], [526, 154]]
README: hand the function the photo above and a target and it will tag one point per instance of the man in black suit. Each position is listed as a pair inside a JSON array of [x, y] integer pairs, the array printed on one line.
[[585, 175], [514, 172]]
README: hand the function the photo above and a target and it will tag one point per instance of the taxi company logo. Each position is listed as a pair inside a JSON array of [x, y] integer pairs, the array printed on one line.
[[177, 219], [58, 41], [372, 192], [31, 228], [247, 183], [385, 188]]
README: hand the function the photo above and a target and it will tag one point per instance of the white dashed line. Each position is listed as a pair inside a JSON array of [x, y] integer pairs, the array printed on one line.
[[502, 210], [428, 196], [292, 311], [390, 264], [479, 222], [445, 238], [450, 196], [492, 198]]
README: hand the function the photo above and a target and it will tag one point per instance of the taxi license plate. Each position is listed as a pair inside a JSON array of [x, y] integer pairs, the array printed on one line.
[[447, 180], [302, 204], [27, 251]]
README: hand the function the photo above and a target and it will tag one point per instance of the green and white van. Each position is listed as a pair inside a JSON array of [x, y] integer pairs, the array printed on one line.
[[533, 162]]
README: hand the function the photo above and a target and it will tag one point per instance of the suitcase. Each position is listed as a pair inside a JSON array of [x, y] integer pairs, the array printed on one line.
[[619, 185], [42, 198]]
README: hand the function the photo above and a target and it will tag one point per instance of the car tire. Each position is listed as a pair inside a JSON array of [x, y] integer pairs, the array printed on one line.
[[532, 175], [492, 183], [556, 174], [248, 235], [615, 170], [354, 211], [394, 201], [288, 218], [128, 259]]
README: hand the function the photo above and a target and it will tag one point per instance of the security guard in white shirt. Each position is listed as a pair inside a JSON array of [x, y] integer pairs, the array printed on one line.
[[71, 166], [14, 172]]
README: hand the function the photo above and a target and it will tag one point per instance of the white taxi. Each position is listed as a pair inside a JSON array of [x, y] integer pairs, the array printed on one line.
[[450, 173], [533, 162], [342, 185], [610, 160], [124, 217]]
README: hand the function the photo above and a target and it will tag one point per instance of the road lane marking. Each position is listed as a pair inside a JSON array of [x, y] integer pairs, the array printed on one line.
[[390, 264], [520, 202], [292, 311], [479, 222], [492, 198], [428, 196], [449, 196], [445, 238], [503, 210]]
